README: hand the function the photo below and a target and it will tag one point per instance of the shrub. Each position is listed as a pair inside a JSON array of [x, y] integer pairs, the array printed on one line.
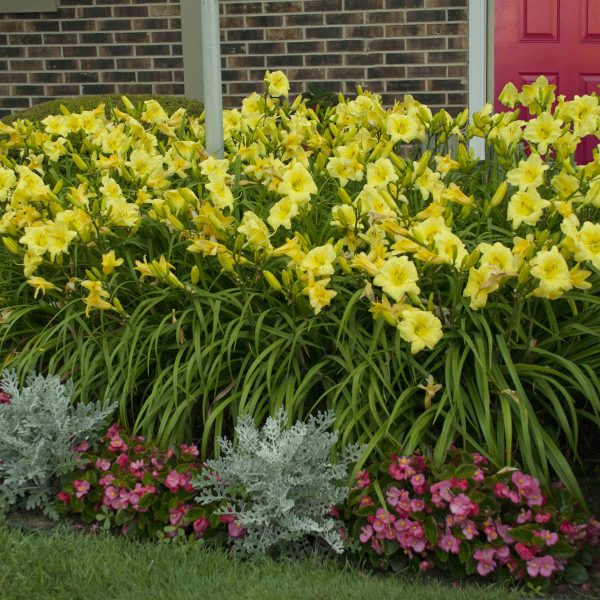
[[39, 433], [110, 101], [470, 519], [443, 299], [127, 485], [277, 486]]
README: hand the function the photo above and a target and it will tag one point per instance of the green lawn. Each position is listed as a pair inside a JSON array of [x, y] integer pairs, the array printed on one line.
[[72, 566]]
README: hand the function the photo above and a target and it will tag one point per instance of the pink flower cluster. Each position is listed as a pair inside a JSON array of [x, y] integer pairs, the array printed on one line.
[[149, 489], [4, 398], [482, 521]]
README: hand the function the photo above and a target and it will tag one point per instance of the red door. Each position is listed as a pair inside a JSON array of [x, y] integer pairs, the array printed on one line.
[[556, 38]]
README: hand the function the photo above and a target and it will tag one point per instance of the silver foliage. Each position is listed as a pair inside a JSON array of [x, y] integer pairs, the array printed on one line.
[[38, 430], [280, 483]]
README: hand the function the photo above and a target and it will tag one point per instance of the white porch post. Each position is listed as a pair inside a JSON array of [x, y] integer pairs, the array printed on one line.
[[211, 76], [477, 63]]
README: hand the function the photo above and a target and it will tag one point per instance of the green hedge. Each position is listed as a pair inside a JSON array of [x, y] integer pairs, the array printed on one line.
[[169, 103]]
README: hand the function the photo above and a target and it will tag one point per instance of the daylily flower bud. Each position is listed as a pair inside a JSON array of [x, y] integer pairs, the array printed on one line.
[[10, 245], [79, 162], [272, 281], [470, 260], [344, 196], [376, 151], [398, 161], [423, 163], [129, 107], [195, 275], [498, 195], [388, 149]]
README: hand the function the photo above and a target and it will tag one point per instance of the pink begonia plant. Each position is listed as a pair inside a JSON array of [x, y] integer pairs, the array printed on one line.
[[130, 485], [467, 516]]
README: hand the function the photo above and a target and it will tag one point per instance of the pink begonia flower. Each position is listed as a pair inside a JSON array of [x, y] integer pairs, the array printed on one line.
[[191, 450], [502, 554], [169, 453], [461, 484], [200, 526], [63, 497], [120, 502], [543, 517], [392, 495], [117, 444], [485, 561], [81, 488], [177, 514], [365, 501], [366, 533], [81, 447], [501, 490], [478, 476], [524, 516], [112, 431], [137, 468], [235, 530], [514, 497], [376, 545], [567, 528], [122, 461], [419, 484], [106, 480], [401, 468], [550, 537], [529, 488], [525, 552], [403, 504], [4, 398], [425, 565], [541, 565], [362, 480], [504, 533], [417, 505], [469, 529], [157, 465], [449, 543], [592, 532], [172, 481], [479, 459], [440, 492], [102, 464], [489, 528], [418, 463], [110, 493], [334, 512], [134, 498], [383, 522], [463, 506]]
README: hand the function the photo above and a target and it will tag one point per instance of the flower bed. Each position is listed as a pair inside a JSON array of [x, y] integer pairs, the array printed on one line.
[[470, 519], [432, 300]]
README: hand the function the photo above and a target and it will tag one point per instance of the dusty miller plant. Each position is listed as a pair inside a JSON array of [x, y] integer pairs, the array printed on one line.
[[38, 429], [280, 483]]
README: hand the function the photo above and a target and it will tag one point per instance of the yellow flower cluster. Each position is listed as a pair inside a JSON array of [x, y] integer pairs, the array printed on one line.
[[311, 199]]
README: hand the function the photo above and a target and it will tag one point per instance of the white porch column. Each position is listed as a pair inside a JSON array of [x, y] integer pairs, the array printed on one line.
[[477, 63]]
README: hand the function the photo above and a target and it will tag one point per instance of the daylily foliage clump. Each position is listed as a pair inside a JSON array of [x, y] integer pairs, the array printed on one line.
[[198, 289]]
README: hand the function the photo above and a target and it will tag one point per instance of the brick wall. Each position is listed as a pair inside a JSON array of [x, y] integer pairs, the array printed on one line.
[[392, 47], [90, 47]]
